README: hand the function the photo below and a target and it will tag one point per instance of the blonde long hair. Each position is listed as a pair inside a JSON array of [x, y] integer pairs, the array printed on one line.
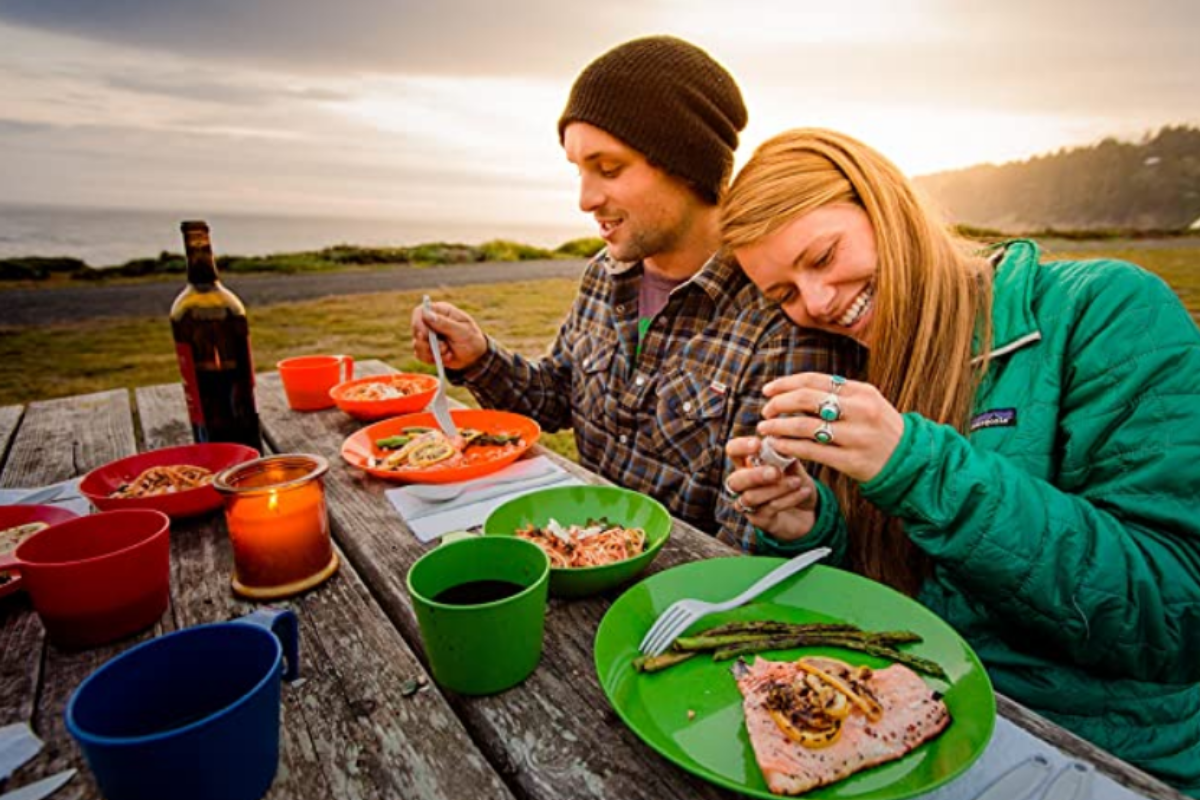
[[931, 303]]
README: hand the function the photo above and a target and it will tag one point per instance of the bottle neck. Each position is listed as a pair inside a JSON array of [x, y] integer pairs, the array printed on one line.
[[201, 266]]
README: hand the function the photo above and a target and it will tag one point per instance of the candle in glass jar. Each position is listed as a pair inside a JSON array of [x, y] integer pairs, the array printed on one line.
[[278, 524]]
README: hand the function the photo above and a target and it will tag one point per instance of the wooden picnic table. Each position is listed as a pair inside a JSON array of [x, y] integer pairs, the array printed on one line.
[[353, 727]]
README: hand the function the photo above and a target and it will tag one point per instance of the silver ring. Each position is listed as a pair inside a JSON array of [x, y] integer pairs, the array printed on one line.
[[824, 434], [729, 489], [838, 382], [830, 408], [742, 508]]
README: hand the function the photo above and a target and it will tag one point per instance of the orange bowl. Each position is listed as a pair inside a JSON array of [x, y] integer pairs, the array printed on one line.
[[425, 385], [99, 484], [360, 448]]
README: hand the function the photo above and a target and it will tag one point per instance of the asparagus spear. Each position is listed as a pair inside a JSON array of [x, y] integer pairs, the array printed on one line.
[[656, 663], [706, 640], [749, 631], [862, 643], [769, 626]]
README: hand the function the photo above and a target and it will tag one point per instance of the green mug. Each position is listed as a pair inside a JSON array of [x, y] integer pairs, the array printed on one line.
[[481, 605]]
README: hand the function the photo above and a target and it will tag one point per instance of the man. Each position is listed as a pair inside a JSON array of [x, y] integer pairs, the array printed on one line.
[[664, 353]]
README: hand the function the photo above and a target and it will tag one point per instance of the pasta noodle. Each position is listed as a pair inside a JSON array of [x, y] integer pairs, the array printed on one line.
[[419, 448], [11, 537], [384, 389], [597, 544], [165, 480]]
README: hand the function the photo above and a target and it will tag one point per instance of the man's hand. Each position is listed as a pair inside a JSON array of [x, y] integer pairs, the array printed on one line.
[[463, 341]]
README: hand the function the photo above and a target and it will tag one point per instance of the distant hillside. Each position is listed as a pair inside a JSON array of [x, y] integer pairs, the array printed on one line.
[[1151, 185]]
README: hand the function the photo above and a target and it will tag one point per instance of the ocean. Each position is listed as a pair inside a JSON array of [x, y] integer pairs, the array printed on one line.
[[105, 237]]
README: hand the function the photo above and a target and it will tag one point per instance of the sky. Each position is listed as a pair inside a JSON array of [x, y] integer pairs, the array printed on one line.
[[447, 110]]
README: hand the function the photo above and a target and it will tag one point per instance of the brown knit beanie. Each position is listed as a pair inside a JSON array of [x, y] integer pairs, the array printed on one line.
[[670, 101]]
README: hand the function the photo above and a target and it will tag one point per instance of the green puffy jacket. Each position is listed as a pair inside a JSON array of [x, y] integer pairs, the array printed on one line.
[[1065, 529]]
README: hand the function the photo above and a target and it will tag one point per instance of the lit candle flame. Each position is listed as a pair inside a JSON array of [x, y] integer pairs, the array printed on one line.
[[273, 502]]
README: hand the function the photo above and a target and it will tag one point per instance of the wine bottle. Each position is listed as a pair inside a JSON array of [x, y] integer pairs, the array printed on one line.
[[212, 343]]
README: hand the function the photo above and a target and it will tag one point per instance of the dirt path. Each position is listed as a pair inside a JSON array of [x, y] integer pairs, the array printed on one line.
[[77, 304]]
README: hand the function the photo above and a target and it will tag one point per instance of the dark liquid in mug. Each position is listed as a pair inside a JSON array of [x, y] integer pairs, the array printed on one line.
[[474, 593]]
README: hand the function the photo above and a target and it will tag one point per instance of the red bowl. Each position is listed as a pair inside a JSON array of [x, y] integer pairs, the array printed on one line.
[[97, 578], [12, 516], [99, 484], [425, 385]]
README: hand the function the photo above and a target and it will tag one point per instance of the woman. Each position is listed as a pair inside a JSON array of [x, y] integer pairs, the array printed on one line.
[[1023, 455]]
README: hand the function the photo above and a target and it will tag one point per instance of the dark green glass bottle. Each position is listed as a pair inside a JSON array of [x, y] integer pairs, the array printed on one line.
[[212, 342]]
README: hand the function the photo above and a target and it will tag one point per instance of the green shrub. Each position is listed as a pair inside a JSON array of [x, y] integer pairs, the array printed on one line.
[[287, 263], [35, 268], [502, 250], [362, 256], [581, 248], [442, 253]]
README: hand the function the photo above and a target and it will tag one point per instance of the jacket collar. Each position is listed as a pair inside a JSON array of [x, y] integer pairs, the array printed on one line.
[[720, 277], [1013, 322]]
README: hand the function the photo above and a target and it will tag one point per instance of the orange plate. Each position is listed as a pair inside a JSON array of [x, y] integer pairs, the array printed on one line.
[[378, 409], [360, 447]]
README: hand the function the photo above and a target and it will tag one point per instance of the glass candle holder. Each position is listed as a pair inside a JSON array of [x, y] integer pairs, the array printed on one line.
[[278, 524]]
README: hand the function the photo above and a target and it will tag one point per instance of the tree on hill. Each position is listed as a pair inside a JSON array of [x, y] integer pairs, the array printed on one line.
[[1149, 185]]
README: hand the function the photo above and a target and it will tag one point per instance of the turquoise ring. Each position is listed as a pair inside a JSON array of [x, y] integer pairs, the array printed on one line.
[[824, 434], [838, 382], [830, 409]]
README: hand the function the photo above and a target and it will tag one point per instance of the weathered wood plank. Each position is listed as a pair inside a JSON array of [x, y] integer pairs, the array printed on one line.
[[10, 417], [57, 440], [555, 735], [19, 662], [349, 730], [63, 438]]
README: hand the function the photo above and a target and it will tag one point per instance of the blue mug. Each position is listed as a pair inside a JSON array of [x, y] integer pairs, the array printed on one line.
[[192, 715]]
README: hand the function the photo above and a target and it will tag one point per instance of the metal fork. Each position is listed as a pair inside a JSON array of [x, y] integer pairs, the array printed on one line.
[[682, 614], [439, 405]]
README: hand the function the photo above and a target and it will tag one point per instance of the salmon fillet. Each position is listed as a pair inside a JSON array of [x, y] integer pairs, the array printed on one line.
[[912, 714]]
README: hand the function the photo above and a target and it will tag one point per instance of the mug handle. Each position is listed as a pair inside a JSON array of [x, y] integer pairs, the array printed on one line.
[[283, 623], [347, 367]]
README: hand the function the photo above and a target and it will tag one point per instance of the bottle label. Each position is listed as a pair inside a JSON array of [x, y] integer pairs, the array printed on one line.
[[191, 388]]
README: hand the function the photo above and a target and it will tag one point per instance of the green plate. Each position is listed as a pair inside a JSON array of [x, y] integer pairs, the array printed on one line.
[[713, 743]]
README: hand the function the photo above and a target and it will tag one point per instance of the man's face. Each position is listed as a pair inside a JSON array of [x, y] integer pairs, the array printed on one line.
[[641, 211]]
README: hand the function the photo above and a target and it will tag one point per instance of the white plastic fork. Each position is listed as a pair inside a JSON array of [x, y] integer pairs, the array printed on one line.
[[682, 614], [439, 405]]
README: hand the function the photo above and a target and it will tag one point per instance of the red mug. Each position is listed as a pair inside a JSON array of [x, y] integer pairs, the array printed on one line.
[[97, 578], [308, 379]]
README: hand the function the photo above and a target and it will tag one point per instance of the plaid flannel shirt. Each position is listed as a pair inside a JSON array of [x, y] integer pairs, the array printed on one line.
[[658, 423]]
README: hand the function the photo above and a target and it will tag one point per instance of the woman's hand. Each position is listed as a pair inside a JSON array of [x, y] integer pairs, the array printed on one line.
[[781, 503], [462, 340], [843, 424]]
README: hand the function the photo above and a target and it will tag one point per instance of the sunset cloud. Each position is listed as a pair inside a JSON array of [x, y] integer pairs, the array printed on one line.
[[448, 109]]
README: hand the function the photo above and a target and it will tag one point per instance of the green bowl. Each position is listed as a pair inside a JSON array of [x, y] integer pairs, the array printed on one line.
[[575, 505]]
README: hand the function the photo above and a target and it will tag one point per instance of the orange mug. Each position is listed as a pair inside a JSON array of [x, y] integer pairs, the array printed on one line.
[[308, 379]]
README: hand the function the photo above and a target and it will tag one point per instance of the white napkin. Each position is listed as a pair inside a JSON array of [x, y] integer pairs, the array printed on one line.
[[18, 744], [1010, 745], [481, 496], [69, 498]]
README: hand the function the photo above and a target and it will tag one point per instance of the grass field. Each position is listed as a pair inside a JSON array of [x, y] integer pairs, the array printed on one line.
[[60, 360], [55, 361]]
